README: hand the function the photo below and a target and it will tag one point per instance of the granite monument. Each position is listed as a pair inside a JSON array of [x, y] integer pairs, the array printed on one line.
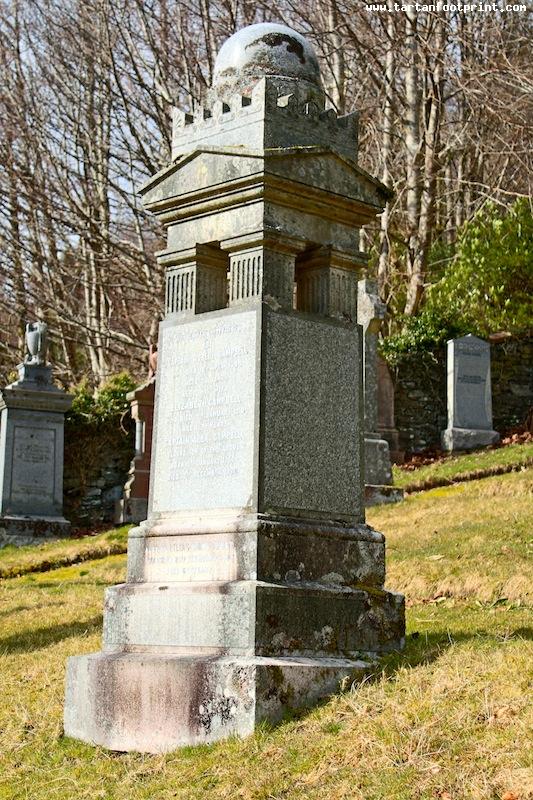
[[32, 411], [469, 395], [254, 586]]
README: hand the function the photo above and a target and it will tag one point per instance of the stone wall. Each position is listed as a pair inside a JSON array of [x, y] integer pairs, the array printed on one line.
[[512, 382], [420, 392], [97, 460]]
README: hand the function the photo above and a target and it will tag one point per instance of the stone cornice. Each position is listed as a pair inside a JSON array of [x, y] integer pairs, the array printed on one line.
[[264, 186]]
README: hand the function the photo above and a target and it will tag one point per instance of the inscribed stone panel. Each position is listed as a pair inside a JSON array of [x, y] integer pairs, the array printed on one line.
[[32, 480], [472, 406], [204, 452]]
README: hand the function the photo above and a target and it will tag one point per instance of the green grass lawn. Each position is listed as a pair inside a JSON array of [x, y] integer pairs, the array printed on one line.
[[16, 561], [458, 467], [449, 718]]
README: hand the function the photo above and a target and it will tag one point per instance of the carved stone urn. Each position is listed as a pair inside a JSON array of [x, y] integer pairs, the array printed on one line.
[[36, 342]]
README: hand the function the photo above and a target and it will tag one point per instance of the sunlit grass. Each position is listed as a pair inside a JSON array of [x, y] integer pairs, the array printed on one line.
[[461, 466], [37, 558], [472, 540], [448, 718]]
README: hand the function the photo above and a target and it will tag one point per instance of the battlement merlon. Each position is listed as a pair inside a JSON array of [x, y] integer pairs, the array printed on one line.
[[277, 113]]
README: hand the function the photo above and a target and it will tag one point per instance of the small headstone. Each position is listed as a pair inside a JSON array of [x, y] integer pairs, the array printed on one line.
[[378, 470], [254, 585], [32, 412], [469, 395]]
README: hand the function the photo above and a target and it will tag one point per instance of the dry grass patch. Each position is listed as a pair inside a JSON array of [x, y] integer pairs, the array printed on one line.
[[448, 719], [467, 466], [470, 541], [451, 714], [16, 561]]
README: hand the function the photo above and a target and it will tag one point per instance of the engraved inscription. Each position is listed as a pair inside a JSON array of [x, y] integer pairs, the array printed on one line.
[[471, 379], [33, 465], [205, 428], [190, 558]]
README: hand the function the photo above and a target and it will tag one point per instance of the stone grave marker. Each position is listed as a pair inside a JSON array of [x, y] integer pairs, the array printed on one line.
[[32, 412], [386, 415], [255, 585], [133, 505], [378, 469], [469, 395]]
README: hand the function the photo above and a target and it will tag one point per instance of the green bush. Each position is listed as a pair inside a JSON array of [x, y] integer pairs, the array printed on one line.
[[426, 332], [107, 404], [489, 284], [486, 287], [98, 431]]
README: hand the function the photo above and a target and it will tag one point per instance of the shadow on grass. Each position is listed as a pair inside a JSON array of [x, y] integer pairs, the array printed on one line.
[[425, 648], [420, 649], [28, 641]]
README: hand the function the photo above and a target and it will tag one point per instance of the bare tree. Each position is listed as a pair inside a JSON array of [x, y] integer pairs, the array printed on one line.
[[85, 108]]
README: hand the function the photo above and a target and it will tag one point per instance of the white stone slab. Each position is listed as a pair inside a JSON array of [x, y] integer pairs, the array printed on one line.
[[206, 414]]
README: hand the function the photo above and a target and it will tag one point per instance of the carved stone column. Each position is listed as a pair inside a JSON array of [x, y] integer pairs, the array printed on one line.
[[378, 470], [255, 584], [262, 272], [197, 282], [133, 506], [327, 283]]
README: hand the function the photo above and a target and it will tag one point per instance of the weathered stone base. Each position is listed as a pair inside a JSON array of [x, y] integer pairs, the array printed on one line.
[[130, 509], [252, 617], [156, 703], [376, 495], [216, 630], [255, 547], [467, 438], [19, 531], [378, 470]]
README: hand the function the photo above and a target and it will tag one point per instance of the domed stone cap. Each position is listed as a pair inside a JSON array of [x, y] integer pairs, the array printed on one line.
[[265, 49]]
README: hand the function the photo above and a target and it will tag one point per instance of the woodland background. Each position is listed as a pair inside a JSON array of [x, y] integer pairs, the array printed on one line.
[[446, 103]]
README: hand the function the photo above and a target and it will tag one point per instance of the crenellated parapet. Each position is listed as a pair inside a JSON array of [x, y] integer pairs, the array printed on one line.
[[268, 117]]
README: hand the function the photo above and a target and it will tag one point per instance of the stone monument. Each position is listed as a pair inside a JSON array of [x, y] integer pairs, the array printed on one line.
[[32, 412], [255, 585], [378, 469], [133, 506], [469, 395], [386, 416]]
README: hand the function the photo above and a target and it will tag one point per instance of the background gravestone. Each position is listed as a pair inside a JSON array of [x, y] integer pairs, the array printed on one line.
[[133, 505], [32, 412], [386, 416], [469, 395], [254, 586], [378, 469]]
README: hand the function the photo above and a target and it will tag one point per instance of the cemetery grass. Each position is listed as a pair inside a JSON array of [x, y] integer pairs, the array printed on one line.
[[16, 561], [447, 718], [463, 467]]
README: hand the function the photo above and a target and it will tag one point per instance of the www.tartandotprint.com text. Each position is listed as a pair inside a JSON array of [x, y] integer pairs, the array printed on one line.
[[465, 7]]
